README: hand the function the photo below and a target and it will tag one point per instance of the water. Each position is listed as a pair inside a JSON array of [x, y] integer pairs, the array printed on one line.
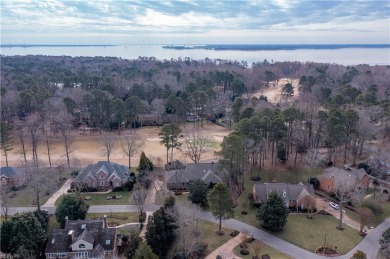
[[344, 56]]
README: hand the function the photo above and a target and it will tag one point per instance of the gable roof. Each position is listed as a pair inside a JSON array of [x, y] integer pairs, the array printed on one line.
[[85, 236], [110, 168], [207, 172], [335, 172], [285, 190], [10, 172], [92, 231]]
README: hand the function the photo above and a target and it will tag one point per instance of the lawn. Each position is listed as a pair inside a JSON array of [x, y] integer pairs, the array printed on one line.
[[101, 198], [310, 233], [377, 219], [207, 235], [26, 196], [265, 249], [112, 217]]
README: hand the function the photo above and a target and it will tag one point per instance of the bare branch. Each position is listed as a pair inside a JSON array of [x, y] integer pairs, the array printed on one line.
[[195, 145], [131, 145], [109, 143]]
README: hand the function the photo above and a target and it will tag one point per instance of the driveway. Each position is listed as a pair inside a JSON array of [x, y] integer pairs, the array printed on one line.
[[63, 190], [323, 204]]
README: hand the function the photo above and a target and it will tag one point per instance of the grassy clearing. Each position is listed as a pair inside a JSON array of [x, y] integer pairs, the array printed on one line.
[[310, 233], [265, 249], [101, 198]]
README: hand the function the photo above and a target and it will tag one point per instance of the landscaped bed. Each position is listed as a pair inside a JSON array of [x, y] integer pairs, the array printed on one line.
[[265, 249]]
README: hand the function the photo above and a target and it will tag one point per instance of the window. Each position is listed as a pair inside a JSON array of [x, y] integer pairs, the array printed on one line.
[[83, 226], [102, 177], [108, 241], [81, 246], [102, 183], [284, 194]]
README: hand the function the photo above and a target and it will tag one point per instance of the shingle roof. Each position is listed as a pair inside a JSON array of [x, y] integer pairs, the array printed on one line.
[[208, 172], [121, 171], [285, 190], [97, 252], [10, 172], [85, 236], [334, 172], [94, 232]]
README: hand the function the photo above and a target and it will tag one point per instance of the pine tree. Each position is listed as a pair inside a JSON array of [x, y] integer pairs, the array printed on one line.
[[273, 213]]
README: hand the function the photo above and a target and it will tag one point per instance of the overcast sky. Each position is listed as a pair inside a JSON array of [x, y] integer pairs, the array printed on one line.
[[194, 22]]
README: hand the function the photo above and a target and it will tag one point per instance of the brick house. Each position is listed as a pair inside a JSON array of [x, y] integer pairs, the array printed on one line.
[[103, 174], [293, 195], [83, 239], [327, 179], [12, 177], [207, 172]]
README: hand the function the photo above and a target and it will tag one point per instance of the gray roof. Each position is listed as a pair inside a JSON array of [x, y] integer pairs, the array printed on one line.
[[284, 190], [92, 231], [334, 172], [10, 172], [97, 252], [109, 167], [208, 172], [85, 236]]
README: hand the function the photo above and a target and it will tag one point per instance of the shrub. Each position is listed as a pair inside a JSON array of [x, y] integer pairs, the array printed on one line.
[[74, 173], [118, 189], [142, 217], [175, 165], [128, 186], [234, 233], [374, 207], [89, 189], [145, 182], [315, 182]]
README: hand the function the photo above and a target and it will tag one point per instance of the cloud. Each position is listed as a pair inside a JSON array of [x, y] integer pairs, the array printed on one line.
[[193, 17]]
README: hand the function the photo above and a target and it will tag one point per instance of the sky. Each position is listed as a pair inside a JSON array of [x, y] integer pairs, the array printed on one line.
[[195, 22]]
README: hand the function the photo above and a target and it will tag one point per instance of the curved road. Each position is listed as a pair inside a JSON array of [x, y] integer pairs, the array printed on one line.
[[369, 244]]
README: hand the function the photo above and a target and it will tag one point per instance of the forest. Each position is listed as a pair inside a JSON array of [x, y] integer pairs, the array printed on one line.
[[334, 107]]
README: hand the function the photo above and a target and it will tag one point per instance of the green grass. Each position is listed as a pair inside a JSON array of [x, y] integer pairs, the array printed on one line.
[[265, 249], [131, 217], [207, 234], [53, 224], [310, 233], [25, 197], [101, 198], [377, 219]]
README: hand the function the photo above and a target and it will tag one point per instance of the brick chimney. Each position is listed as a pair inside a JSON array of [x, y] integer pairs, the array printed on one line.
[[105, 221], [70, 237]]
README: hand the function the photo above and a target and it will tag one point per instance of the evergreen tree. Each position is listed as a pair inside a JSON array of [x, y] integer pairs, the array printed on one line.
[[23, 231], [160, 232], [144, 163], [198, 192], [384, 242], [71, 206], [144, 252], [220, 203], [169, 135], [282, 152], [273, 213]]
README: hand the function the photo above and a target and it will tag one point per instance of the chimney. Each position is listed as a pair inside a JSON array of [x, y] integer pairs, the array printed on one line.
[[66, 218], [70, 237], [105, 221]]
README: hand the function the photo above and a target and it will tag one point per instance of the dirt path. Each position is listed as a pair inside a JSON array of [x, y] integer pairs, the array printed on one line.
[[88, 147]]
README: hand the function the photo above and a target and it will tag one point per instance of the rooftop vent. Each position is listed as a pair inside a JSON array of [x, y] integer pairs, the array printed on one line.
[[83, 226]]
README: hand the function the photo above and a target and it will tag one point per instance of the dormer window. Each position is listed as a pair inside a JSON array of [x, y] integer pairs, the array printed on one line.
[[83, 226], [81, 246], [284, 194]]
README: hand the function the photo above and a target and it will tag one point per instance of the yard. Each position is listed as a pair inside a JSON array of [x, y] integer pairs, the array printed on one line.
[[310, 233], [207, 235], [101, 198], [26, 197]]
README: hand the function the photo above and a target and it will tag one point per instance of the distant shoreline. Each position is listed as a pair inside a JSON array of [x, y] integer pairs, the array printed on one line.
[[52, 45], [259, 47]]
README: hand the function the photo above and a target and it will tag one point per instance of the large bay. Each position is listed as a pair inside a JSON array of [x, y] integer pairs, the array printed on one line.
[[345, 56]]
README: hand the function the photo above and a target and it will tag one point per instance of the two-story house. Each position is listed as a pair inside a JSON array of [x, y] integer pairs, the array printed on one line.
[[12, 177], [83, 239], [103, 174]]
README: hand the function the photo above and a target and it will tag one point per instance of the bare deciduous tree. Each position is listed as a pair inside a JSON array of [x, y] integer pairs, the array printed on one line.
[[34, 125], [21, 135], [195, 145], [365, 216], [344, 185], [5, 193], [49, 142], [138, 198], [131, 145], [109, 143], [41, 183], [63, 123]]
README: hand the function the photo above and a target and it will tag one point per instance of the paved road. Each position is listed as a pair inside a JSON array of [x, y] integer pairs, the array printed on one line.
[[369, 244]]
